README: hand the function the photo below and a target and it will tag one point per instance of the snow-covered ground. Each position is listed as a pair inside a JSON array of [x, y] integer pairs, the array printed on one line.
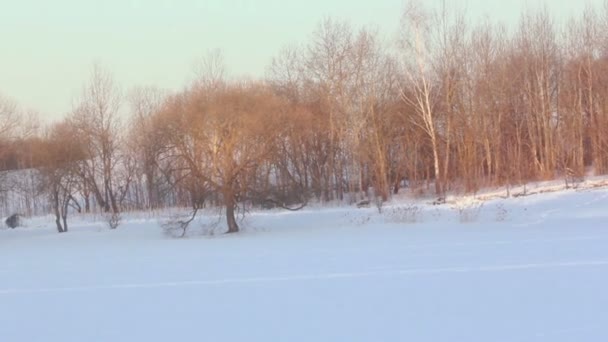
[[526, 269]]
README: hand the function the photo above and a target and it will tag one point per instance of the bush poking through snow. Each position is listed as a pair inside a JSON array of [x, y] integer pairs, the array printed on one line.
[[177, 225], [113, 220], [410, 213], [469, 211], [13, 221]]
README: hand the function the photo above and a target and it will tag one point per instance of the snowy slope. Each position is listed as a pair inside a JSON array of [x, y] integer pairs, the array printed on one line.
[[527, 269]]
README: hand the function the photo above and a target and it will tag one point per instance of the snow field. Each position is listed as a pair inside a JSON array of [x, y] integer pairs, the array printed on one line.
[[527, 269]]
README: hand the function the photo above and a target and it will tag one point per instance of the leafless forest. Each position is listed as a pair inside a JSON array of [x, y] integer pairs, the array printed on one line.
[[448, 105]]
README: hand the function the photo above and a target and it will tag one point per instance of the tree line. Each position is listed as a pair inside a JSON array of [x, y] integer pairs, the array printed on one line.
[[447, 106]]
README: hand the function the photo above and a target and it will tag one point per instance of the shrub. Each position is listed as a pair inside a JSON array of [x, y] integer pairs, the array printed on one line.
[[113, 220], [469, 211], [405, 214], [13, 221]]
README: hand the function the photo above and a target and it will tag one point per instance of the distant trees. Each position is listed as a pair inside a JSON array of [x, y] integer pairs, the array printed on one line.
[[450, 106], [475, 105], [9, 117], [499, 109], [346, 83], [17, 142]]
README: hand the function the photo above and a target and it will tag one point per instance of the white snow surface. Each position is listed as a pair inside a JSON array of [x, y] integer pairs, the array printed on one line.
[[531, 268]]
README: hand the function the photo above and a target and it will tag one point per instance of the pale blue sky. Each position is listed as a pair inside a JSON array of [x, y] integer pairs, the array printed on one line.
[[47, 48]]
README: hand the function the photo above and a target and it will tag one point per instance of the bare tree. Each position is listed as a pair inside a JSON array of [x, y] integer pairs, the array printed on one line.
[[144, 145], [374, 90], [328, 71], [223, 136], [421, 91], [9, 117], [97, 126], [210, 70], [16, 125], [59, 172]]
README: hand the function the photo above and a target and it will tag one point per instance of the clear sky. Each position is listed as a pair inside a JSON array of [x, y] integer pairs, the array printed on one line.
[[47, 47]]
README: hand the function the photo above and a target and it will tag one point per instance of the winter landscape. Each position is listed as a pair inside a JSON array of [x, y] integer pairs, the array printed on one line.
[[314, 171], [533, 268]]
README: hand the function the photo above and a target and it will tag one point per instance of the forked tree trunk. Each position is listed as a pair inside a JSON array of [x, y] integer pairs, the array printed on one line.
[[58, 223]]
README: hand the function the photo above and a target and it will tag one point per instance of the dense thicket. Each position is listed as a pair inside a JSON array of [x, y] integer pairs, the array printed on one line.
[[450, 106]]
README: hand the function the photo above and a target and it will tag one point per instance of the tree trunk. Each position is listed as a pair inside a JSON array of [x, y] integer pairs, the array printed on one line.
[[151, 188], [233, 227], [113, 203], [64, 213], [86, 194], [436, 168], [55, 199], [65, 224], [99, 198], [230, 204], [58, 223]]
